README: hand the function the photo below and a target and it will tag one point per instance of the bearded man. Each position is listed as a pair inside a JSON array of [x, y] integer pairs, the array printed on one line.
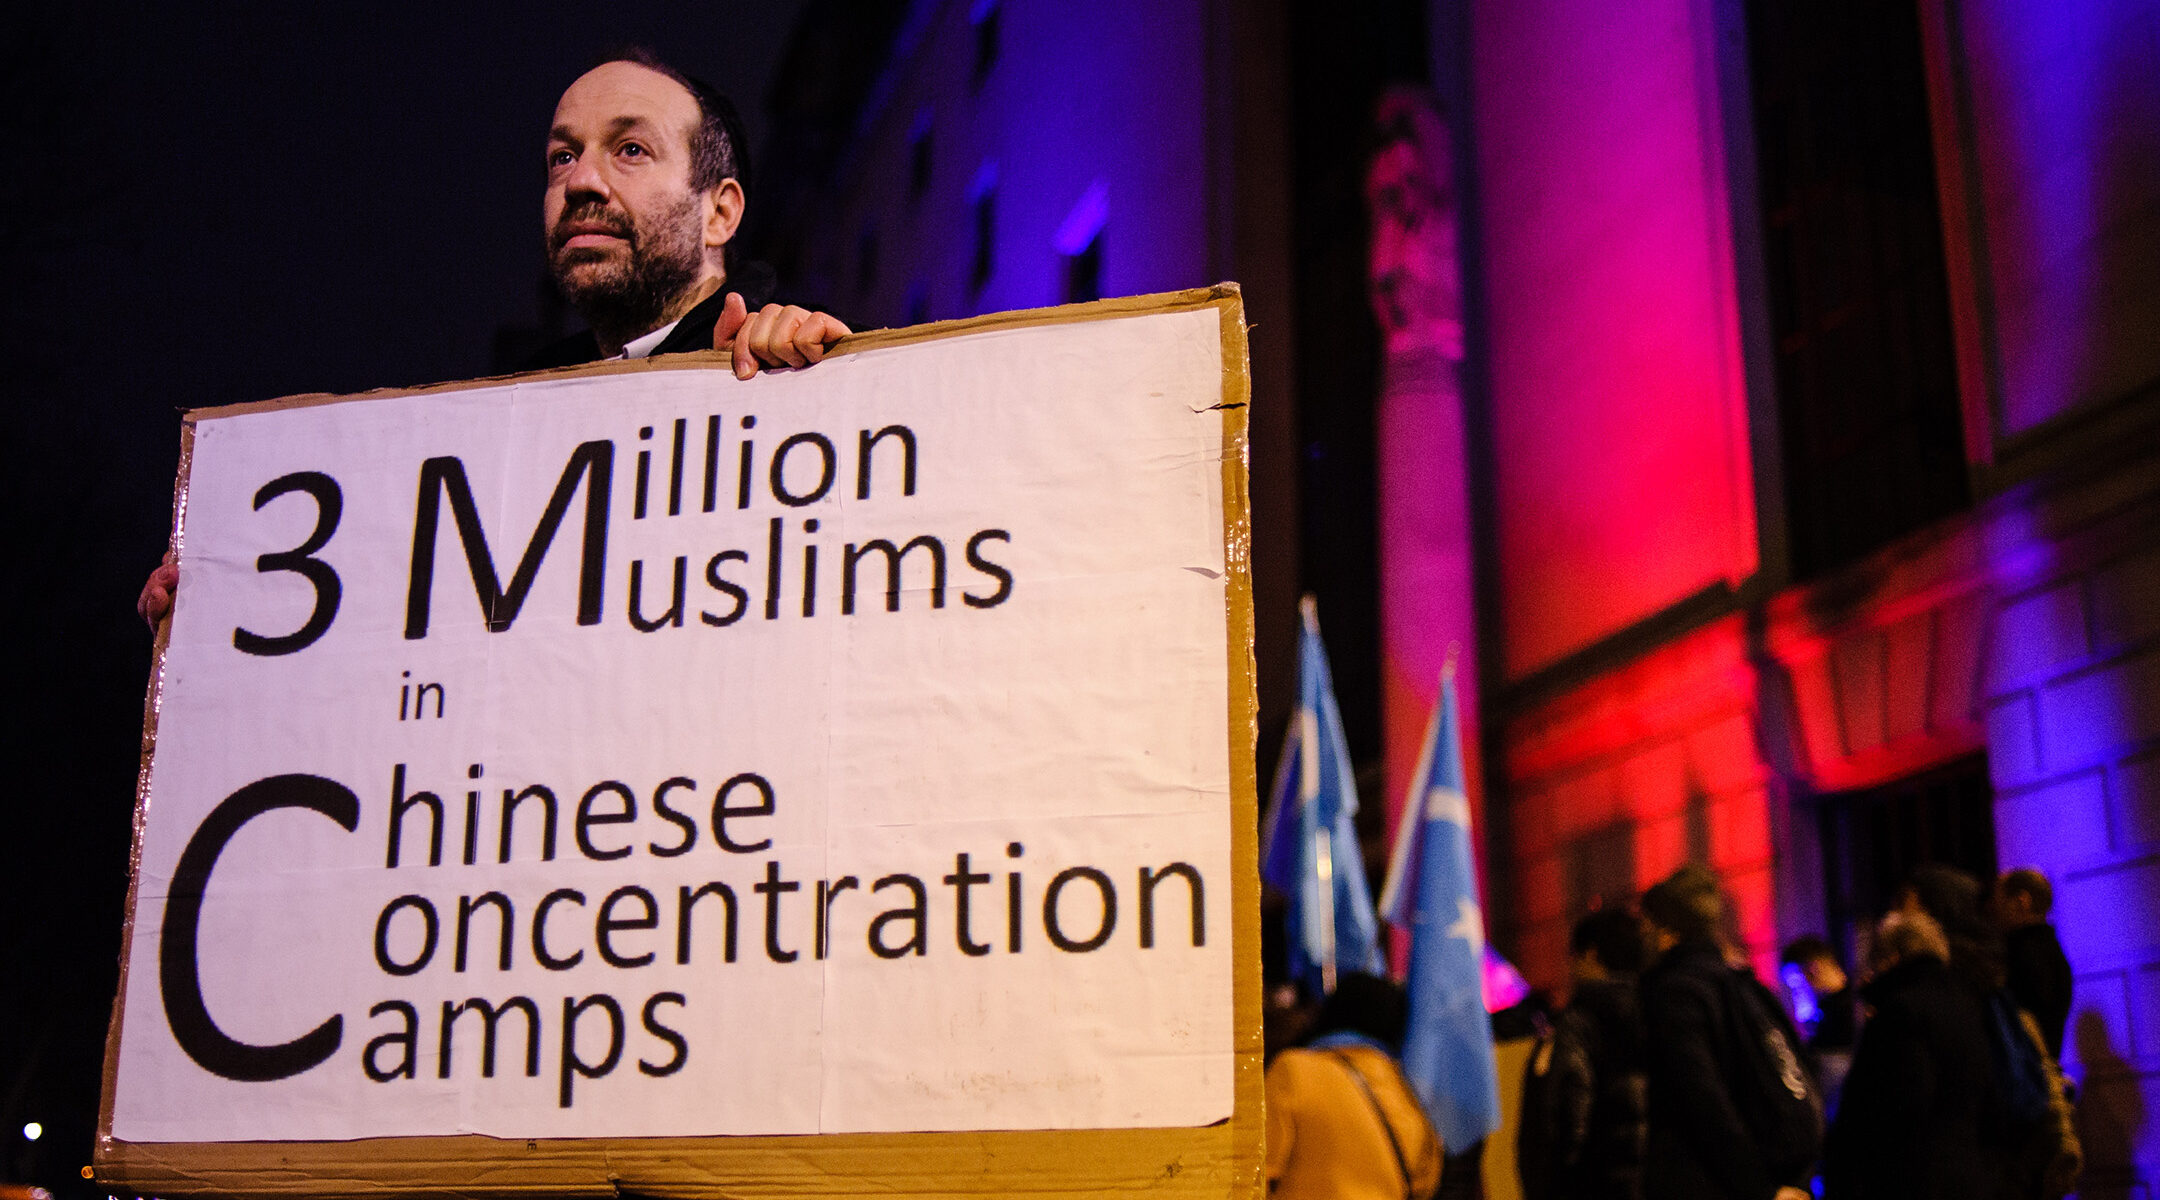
[[645, 170]]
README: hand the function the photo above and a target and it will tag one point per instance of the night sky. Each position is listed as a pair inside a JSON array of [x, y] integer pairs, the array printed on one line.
[[207, 204]]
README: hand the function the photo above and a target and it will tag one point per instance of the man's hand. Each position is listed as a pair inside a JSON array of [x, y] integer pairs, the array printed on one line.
[[778, 335], [157, 592]]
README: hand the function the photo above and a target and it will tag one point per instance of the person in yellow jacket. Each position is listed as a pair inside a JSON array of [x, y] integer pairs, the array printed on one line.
[[1342, 1122]]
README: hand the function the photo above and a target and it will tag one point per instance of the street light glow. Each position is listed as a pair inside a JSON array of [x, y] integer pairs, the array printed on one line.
[[33, 1131]]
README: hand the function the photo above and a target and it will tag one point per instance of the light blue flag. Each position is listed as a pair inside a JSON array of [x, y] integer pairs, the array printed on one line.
[[1312, 853], [1432, 892]]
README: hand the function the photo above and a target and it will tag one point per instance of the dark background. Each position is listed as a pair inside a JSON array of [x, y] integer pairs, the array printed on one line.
[[204, 205]]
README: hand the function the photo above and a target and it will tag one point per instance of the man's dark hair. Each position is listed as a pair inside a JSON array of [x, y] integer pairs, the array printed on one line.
[[1687, 903], [719, 146], [2031, 884], [1614, 935], [1364, 1004], [720, 143], [1952, 897], [1949, 895], [1806, 949]]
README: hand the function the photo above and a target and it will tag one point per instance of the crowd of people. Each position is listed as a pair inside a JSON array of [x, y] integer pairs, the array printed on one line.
[[1933, 1070]]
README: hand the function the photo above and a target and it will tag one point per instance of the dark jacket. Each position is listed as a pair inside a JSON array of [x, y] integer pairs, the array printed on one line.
[[754, 281], [1921, 1100], [1705, 1143], [1838, 1028], [2039, 980], [1586, 1110]]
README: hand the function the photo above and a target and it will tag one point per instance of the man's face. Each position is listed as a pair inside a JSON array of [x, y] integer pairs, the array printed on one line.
[[1658, 938], [2012, 909], [1586, 968], [1824, 976], [625, 230]]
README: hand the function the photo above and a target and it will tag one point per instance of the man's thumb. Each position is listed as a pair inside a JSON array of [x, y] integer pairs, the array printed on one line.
[[732, 315]]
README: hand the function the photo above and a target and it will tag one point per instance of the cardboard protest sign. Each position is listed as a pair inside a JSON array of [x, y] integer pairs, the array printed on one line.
[[633, 779]]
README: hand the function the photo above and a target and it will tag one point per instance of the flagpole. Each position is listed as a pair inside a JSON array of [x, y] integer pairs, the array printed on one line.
[[1309, 793], [1327, 908]]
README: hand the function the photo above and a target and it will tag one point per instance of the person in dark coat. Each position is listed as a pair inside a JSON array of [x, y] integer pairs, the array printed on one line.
[[1835, 1023], [2037, 971], [1921, 1097], [1956, 902], [1711, 1135], [1586, 1118]]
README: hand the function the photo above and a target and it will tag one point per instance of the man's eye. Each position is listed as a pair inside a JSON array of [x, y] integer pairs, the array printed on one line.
[[634, 149], [560, 158]]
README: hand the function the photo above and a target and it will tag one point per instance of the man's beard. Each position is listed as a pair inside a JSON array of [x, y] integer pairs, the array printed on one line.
[[623, 299]]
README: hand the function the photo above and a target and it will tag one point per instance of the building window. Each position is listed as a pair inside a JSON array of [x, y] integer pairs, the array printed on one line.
[[982, 262], [919, 157], [1873, 840], [986, 39], [1859, 297], [1079, 242], [1083, 273]]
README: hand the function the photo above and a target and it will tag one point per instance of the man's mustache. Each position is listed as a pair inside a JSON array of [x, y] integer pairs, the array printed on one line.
[[591, 216]]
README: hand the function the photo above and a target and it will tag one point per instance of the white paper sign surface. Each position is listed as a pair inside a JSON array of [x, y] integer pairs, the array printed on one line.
[[849, 753]]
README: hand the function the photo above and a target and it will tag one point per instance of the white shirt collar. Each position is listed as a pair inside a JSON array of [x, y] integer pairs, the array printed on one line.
[[642, 347]]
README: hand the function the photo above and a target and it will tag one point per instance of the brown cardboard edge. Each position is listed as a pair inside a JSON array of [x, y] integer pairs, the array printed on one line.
[[1248, 1126], [153, 700], [1223, 1159], [1210, 1162]]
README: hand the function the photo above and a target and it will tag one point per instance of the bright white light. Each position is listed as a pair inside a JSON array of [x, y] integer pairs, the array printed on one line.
[[33, 1131]]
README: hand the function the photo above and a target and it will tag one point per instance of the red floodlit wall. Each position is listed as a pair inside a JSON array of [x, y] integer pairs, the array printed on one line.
[[1622, 481], [1618, 782]]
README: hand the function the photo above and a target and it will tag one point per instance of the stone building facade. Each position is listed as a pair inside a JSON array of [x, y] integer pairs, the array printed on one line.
[[1680, 666]]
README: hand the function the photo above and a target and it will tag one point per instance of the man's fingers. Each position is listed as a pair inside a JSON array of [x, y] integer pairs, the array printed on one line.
[[751, 340], [157, 593], [733, 312], [782, 345], [769, 331], [816, 334], [763, 338], [780, 335]]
